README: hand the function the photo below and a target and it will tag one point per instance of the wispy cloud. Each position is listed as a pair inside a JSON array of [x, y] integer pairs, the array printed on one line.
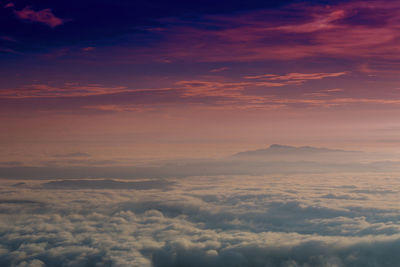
[[67, 90], [248, 92], [121, 108], [318, 22], [215, 88], [240, 92], [219, 69], [72, 155], [296, 76], [345, 30]]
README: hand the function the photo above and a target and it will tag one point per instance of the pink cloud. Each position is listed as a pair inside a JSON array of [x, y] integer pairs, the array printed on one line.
[[323, 93], [219, 69], [343, 101], [322, 31], [67, 90], [8, 5], [246, 94], [197, 88], [296, 76], [243, 93], [121, 108], [215, 94], [88, 49], [334, 90], [44, 16], [318, 23]]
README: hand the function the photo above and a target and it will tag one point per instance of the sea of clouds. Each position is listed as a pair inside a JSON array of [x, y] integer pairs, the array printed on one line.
[[342, 219]]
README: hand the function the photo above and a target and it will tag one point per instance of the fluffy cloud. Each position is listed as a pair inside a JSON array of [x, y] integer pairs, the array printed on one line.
[[295, 220]]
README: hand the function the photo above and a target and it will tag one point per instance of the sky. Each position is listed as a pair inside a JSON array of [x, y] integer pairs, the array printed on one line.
[[199, 133], [151, 80]]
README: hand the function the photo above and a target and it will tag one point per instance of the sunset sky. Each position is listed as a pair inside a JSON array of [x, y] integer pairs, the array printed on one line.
[[149, 80], [246, 133]]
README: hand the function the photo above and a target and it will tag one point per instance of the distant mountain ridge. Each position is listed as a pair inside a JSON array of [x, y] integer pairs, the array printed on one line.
[[292, 151]]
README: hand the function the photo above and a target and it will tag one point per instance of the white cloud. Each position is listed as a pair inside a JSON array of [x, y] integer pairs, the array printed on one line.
[[283, 220]]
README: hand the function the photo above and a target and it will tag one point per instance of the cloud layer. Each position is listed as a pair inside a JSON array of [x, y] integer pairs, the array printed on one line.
[[296, 220]]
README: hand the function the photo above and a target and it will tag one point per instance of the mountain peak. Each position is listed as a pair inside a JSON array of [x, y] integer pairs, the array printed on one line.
[[275, 150], [275, 146]]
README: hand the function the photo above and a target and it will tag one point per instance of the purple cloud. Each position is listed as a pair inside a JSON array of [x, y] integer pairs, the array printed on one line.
[[8, 5], [44, 16]]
